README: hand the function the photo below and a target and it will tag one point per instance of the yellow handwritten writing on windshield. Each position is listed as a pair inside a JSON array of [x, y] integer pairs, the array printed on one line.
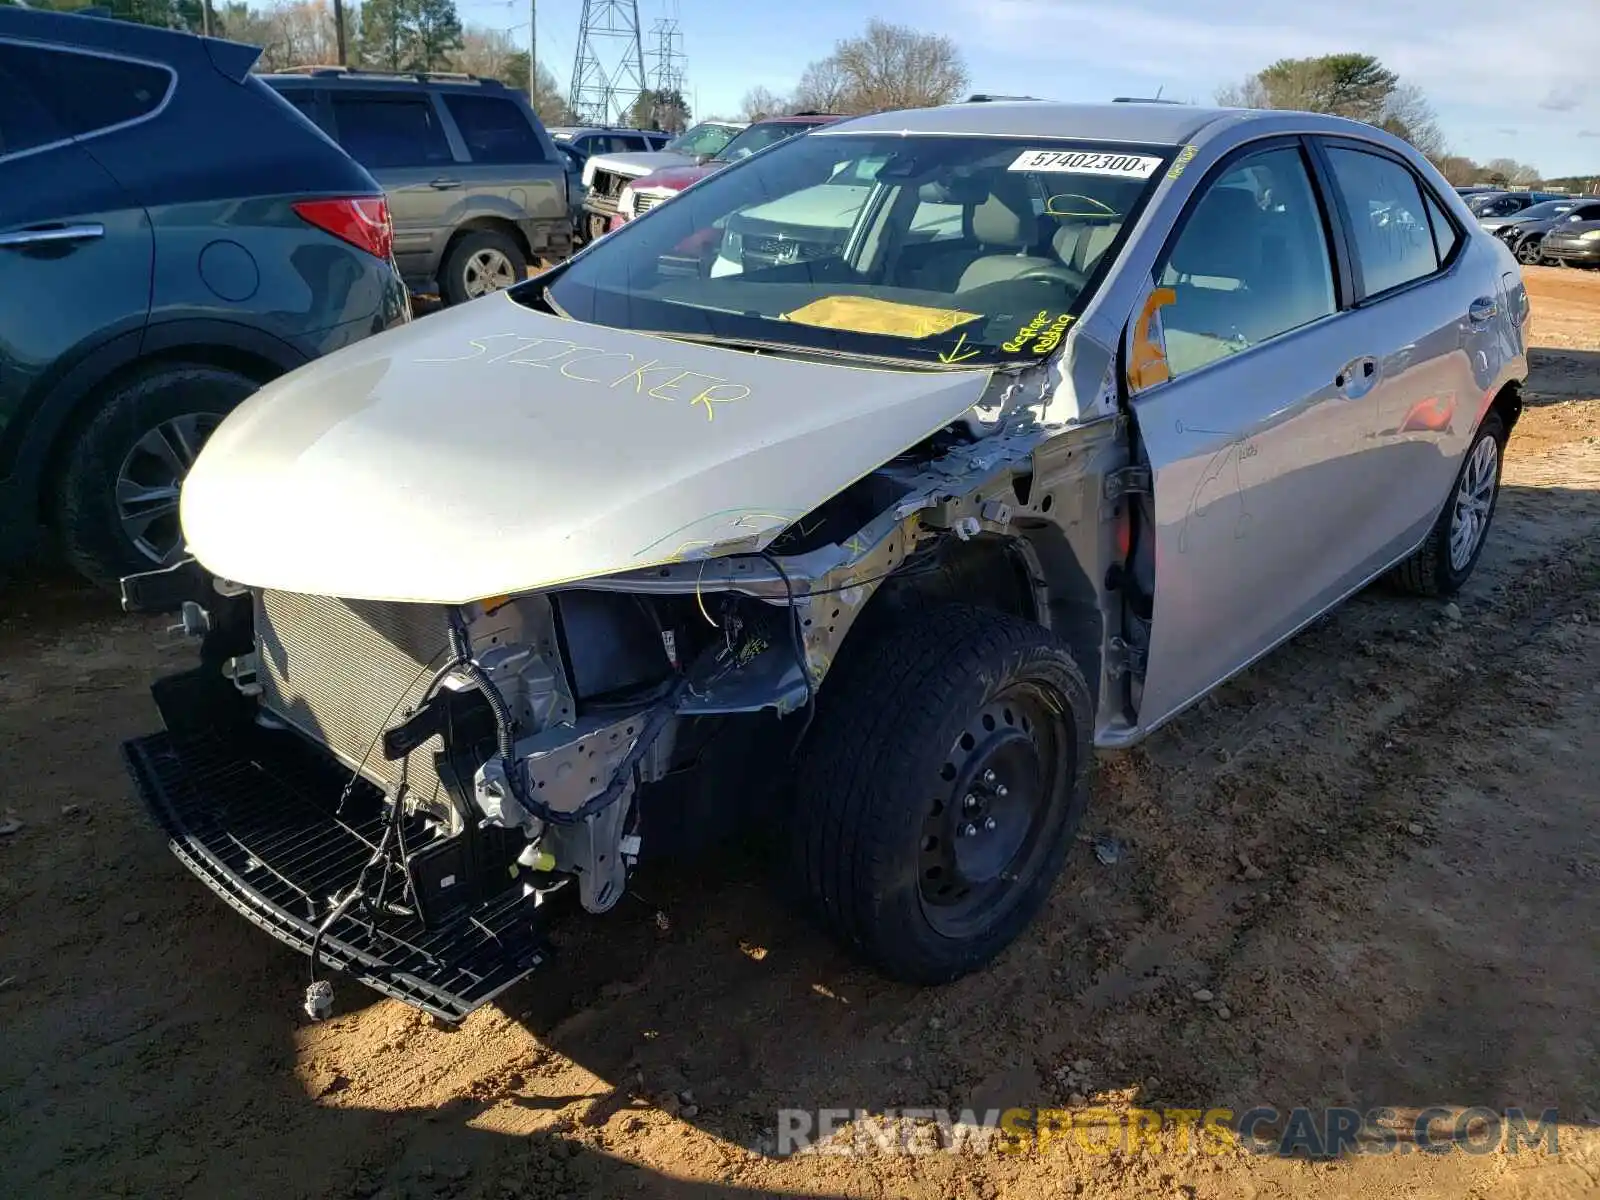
[[1044, 332], [662, 380], [866, 314]]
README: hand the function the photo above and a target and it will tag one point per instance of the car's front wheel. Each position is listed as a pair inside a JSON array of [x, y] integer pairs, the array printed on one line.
[[948, 773], [1444, 561], [116, 509]]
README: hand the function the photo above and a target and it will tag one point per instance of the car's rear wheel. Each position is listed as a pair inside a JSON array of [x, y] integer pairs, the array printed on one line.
[[940, 794], [116, 509], [1444, 561], [483, 261], [1529, 252]]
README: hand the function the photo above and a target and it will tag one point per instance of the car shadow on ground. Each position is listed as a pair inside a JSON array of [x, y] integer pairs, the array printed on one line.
[[1557, 375]]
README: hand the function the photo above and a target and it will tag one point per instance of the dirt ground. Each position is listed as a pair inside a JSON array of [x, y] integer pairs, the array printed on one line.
[[1376, 850]]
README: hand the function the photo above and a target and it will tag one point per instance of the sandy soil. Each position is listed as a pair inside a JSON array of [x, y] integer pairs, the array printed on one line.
[[1376, 851]]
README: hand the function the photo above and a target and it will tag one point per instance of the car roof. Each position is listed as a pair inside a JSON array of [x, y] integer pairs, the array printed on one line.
[[116, 36], [1155, 123], [800, 119]]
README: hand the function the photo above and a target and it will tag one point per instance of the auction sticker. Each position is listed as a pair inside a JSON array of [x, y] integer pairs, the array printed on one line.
[[1084, 162]]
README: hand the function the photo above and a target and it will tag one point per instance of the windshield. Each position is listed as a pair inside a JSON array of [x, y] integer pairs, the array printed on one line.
[[954, 250], [759, 137], [702, 139]]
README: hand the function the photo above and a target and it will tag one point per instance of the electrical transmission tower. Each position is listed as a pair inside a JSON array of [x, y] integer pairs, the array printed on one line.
[[668, 55], [608, 70]]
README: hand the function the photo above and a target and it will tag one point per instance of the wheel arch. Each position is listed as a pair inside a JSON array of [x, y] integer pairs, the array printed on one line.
[[486, 223], [1508, 404]]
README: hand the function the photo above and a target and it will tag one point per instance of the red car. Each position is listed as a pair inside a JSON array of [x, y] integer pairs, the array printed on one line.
[[649, 190]]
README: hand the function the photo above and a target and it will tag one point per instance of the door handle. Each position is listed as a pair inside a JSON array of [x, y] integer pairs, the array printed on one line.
[[55, 233], [444, 185], [1482, 309]]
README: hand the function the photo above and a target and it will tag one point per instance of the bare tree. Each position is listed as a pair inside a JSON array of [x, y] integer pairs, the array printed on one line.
[[888, 66], [762, 102], [1407, 114], [823, 87], [1508, 171], [491, 54]]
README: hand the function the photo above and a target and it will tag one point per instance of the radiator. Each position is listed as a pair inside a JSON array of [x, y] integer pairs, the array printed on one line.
[[342, 671]]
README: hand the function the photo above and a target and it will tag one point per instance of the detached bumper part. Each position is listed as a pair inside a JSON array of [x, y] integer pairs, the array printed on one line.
[[251, 813]]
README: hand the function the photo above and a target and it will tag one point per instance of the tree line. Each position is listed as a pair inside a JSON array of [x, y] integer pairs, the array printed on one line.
[[885, 67]]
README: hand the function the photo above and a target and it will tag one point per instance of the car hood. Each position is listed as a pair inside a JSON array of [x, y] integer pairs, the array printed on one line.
[[634, 165], [488, 450], [675, 179]]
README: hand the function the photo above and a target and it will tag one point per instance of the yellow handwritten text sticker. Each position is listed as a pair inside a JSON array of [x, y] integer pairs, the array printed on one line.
[[1044, 332], [865, 314], [1182, 161]]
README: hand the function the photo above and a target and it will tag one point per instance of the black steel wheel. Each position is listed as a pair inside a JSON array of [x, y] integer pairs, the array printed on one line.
[[946, 777]]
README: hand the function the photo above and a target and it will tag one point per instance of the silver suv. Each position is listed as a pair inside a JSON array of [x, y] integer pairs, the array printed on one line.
[[476, 188]]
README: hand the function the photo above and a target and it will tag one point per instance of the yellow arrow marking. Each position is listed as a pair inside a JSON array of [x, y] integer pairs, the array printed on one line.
[[953, 354]]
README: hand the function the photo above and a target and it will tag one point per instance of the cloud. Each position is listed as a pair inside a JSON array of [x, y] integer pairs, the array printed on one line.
[[1591, 133], [1560, 99], [1507, 132]]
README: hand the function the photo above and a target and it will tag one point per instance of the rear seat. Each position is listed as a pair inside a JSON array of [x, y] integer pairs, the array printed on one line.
[[1081, 246]]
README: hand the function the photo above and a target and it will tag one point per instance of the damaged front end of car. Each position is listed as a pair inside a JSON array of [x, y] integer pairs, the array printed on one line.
[[397, 783]]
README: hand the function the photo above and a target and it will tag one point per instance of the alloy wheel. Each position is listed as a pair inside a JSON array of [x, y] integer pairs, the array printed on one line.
[[488, 270], [150, 478], [1474, 498]]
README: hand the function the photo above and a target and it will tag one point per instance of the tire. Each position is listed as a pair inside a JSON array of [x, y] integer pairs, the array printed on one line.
[[1528, 251], [143, 439], [481, 262], [1431, 570], [901, 742]]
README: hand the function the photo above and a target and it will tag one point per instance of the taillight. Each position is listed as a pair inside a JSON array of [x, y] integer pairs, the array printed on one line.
[[363, 221]]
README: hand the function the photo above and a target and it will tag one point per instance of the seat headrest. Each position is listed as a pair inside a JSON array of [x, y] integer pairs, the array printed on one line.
[[1006, 217], [1222, 237]]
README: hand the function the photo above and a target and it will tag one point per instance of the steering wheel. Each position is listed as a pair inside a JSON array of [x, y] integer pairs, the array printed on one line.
[[1058, 275]]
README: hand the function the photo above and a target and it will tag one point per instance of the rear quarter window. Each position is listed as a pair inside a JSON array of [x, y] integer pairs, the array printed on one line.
[[82, 93]]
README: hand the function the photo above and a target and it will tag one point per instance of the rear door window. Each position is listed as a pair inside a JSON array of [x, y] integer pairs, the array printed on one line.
[[24, 123], [495, 130], [83, 93], [1445, 235], [383, 129], [1389, 228]]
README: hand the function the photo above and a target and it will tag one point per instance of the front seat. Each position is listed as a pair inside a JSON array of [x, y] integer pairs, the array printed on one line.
[[1004, 221]]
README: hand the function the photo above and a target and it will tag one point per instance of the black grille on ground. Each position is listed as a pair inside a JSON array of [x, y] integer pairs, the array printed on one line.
[[251, 812]]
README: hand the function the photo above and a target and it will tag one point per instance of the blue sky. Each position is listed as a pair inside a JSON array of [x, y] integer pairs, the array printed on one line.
[[1507, 79]]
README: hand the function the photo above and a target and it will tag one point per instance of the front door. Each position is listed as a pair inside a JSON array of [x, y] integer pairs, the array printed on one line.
[[1249, 414]]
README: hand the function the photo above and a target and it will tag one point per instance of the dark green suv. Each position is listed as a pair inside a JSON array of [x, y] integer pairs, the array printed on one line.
[[172, 236]]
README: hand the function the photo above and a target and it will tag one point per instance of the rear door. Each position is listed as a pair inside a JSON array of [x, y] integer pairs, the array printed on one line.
[[1251, 422], [509, 161], [75, 250], [1426, 322], [398, 135]]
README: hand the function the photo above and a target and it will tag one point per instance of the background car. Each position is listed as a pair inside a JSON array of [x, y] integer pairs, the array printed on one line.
[[1573, 243], [1504, 204], [605, 175], [602, 139], [661, 185], [140, 301], [475, 184], [1525, 232]]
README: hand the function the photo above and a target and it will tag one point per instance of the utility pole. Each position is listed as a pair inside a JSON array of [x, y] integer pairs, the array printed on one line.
[[205, 18], [533, 53], [338, 30]]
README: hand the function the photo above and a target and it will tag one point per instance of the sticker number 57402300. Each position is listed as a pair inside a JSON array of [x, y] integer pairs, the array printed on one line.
[[1082, 162]]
